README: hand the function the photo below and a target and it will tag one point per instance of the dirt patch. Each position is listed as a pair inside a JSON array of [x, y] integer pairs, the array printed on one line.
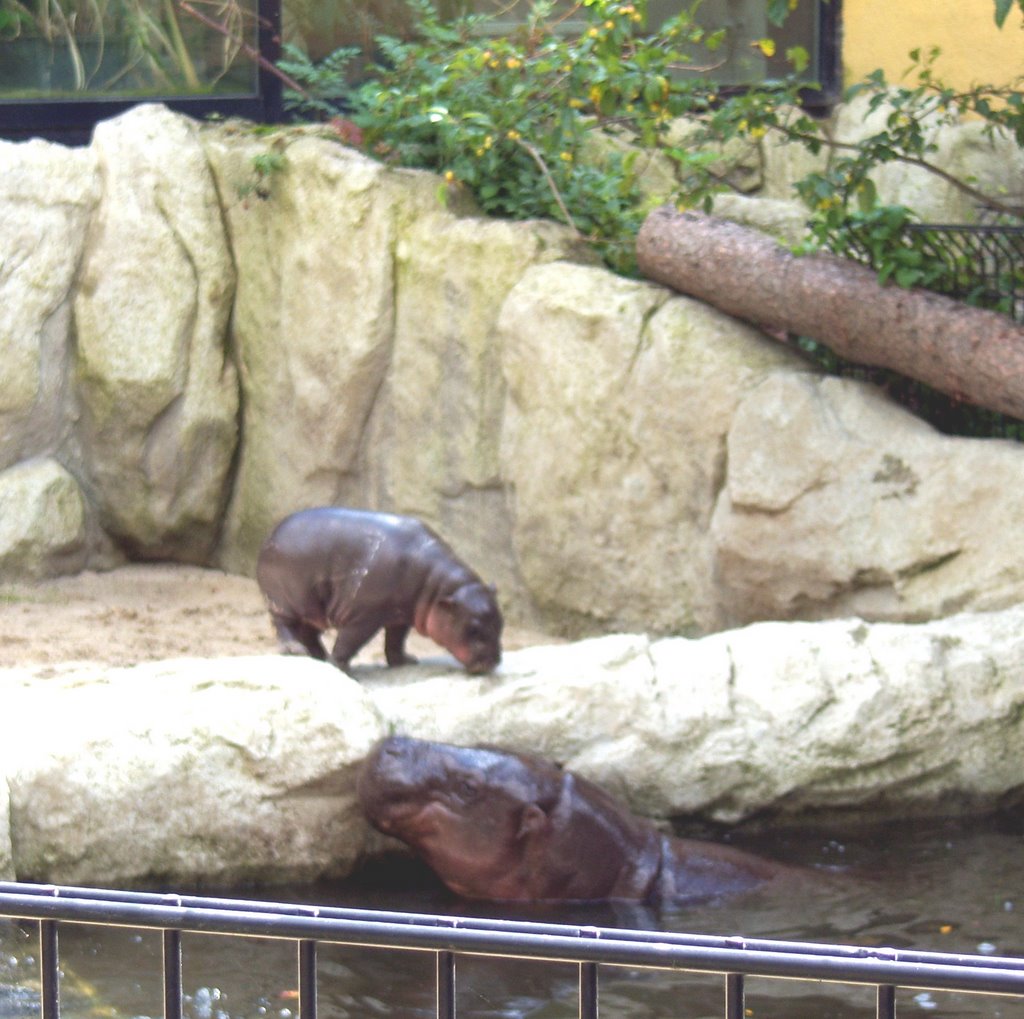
[[149, 612]]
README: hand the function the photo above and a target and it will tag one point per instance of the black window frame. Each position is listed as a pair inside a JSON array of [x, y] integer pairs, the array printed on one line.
[[830, 60]]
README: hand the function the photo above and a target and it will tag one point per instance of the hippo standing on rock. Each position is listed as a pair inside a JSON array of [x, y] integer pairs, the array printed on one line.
[[357, 572], [496, 825]]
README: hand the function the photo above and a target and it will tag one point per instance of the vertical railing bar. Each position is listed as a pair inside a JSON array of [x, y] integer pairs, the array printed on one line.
[[172, 974], [886, 1002], [307, 979], [49, 969], [445, 985], [588, 990], [734, 995]]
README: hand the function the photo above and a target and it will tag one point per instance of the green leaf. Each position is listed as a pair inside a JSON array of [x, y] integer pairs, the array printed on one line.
[[778, 10], [906, 277], [867, 195], [799, 59], [1002, 10]]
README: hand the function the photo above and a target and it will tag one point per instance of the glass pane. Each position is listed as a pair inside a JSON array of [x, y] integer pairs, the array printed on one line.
[[739, 62], [78, 49], [321, 26]]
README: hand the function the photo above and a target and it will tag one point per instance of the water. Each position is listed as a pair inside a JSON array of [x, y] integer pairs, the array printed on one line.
[[953, 886]]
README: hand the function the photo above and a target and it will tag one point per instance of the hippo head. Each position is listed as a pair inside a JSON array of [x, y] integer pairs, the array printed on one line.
[[468, 623], [472, 813]]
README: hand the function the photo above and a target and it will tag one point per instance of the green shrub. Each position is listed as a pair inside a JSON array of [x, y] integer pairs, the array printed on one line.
[[508, 116]]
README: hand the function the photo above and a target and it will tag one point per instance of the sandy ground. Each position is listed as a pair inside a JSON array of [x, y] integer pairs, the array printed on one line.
[[148, 612]]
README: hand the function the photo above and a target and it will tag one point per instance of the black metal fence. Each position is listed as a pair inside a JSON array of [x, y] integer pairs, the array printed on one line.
[[982, 264], [446, 937]]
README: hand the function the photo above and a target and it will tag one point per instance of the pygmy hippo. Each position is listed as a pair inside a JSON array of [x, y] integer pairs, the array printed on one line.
[[358, 572], [496, 825]]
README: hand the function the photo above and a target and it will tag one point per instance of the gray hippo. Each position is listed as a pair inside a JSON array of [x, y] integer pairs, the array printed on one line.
[[497, 825], [358, 572]]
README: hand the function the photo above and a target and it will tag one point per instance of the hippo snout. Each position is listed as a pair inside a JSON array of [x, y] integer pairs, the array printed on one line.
[[481, 666]]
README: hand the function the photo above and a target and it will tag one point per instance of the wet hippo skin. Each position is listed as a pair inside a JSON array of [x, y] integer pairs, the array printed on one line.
[[359, 572], [497, 825]]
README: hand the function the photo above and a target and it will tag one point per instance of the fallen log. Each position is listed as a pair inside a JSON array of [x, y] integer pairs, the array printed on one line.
[[968, 353]]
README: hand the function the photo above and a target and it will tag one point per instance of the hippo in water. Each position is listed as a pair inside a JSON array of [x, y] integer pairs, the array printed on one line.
[[497, 825], [358, 572]]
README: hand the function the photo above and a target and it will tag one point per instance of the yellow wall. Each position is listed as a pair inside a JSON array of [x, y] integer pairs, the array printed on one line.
[[880, 33]]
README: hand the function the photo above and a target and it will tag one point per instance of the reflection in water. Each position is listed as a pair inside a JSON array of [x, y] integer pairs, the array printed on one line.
[[952, 887]]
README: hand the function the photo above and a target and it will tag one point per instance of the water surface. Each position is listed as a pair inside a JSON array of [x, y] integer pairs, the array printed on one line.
[[951, 886]]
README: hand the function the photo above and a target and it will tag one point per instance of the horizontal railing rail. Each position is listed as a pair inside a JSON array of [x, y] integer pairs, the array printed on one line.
[[589, 947]]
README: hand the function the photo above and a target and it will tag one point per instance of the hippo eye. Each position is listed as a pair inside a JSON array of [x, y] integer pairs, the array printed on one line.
[[468, 788]]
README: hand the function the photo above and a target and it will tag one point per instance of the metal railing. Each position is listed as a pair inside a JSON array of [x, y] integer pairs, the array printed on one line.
[[590, 948], [982, 264]]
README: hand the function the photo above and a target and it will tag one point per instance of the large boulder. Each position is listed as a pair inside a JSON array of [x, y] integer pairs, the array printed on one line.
[[364, 327], [782, 718], [991, 161], [312, 324], [435, 432], [158, 389], [837, 502], [47, 196], [42, 520], [224, 770], [620, 400], [244, 769]]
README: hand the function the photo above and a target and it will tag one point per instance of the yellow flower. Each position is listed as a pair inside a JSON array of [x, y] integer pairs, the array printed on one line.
[[609, 24], [593, 33], [513, 62], [594, 95], [565, 157], [577, 104], [488, 142], [513, 135], [449, 175]]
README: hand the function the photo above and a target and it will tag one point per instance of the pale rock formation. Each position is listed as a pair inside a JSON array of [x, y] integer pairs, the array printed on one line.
[[209, 327], [222, 770], [991, 162], [159, 393], [42, 520], [244, 769], [839, 503], [777, 717], [620, 399], [48, 195]]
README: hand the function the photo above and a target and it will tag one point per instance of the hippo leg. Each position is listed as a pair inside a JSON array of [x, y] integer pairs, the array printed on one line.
[[349, 640], [298, 638], [394, 646]]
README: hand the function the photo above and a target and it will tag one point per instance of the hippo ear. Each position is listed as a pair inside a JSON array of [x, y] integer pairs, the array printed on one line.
[[533, 822]]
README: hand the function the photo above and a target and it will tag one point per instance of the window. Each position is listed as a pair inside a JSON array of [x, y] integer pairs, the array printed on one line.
[[65, 64]]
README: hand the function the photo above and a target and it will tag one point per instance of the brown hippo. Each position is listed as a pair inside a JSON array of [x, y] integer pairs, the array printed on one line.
[[496, 825], [359, 572]]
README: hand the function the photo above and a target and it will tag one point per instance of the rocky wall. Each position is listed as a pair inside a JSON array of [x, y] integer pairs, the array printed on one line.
[[244, 769], [206, 327]]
